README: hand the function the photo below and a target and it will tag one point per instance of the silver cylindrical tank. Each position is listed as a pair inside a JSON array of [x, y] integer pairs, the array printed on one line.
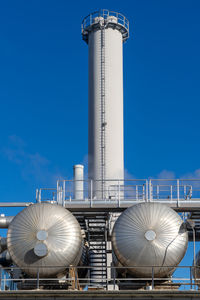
[[149, 234], [5, 221], [105, 34], [46, 237]]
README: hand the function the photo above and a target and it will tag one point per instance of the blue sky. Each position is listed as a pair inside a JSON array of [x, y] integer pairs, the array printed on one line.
[[43, 91]]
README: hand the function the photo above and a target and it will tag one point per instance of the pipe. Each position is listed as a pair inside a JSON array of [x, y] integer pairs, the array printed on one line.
[[78, 182], [191, 237], [5, 221], [15, 204]]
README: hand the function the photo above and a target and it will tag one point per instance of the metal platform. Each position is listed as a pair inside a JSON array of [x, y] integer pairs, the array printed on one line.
[[94, 215], [183, 195], [71, 285], [108, 295], [118, 21], [180, 194]]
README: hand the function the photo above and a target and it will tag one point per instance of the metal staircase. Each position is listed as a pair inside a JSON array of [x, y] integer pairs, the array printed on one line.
[[97, 237]]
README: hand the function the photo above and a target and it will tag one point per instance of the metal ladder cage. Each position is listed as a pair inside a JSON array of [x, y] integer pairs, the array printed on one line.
[[122, 23]]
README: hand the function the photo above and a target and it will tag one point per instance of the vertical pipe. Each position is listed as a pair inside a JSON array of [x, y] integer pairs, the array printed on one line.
[[143, 192], [171, 190], [64, 192], [119, 193], [152, 282], [157, 190], [194, 251], [136, 192], [4, 281], [191, 285], [76, 279], [36, 195], [147, 191], [91, 189], [38, 279], [40, 195], [114, 274], [178, 190], [57, 189], [0, 277], [78, 182], [150, 191]]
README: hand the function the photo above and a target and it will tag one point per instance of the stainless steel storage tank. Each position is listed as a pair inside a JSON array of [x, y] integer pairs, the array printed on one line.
[[149, 234], [44, 236]]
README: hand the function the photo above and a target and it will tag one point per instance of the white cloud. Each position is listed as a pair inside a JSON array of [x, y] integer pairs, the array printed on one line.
[[32, 166], [128, 175], [192, 175], [165, 174]]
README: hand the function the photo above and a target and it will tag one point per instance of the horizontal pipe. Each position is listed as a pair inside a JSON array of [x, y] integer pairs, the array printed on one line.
[[5, 221], [15, 204]]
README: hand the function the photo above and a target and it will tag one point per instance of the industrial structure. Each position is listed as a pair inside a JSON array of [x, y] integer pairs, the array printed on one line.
[[105, 34], [124, 238]]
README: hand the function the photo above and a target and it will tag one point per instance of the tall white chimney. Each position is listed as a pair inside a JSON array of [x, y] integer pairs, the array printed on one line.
[[104, 32]]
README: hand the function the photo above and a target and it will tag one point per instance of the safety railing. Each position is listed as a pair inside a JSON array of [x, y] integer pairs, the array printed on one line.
[[175, 190], [47, 194], [122, 192], [108, 191], [119, 19], [184, 278]]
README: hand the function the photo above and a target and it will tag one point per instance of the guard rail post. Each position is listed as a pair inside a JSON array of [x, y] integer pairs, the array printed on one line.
[[191, 286], [152, 282], [38, 279]]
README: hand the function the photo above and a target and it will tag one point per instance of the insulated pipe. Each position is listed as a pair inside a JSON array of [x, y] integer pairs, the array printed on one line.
[[15, 204], [5, 221], [78, 182]]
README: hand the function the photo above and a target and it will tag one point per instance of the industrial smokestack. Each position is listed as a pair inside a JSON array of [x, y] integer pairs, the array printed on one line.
[[104, 32], [78, 182]]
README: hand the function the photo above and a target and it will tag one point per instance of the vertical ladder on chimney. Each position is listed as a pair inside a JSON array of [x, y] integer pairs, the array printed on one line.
[[103, 118]]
